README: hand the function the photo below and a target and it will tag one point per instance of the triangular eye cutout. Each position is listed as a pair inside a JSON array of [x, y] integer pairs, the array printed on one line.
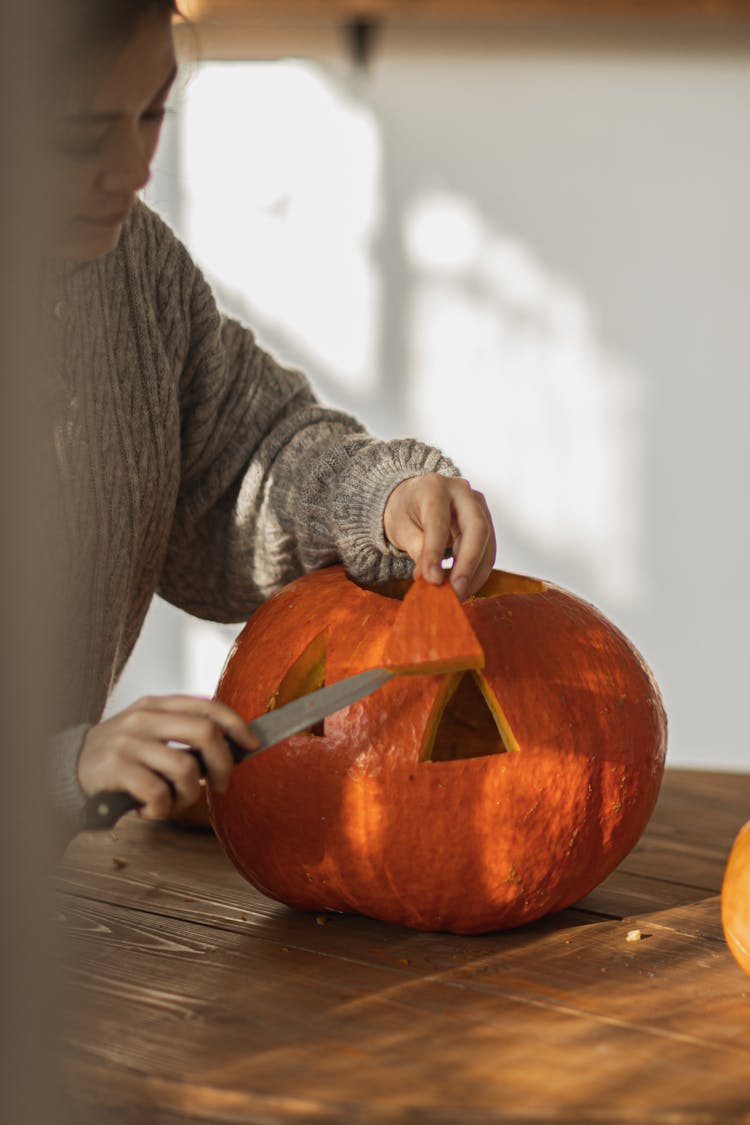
[[431, 633], [306, 674], [464, 725]]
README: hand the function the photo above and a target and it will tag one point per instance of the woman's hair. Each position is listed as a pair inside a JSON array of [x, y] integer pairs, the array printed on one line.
[[73, 30]]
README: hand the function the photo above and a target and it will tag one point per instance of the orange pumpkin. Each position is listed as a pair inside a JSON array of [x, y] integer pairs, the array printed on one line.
[[735, 899], [470, 800]]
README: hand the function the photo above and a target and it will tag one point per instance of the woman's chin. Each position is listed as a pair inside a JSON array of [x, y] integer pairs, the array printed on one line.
[[88, 244]]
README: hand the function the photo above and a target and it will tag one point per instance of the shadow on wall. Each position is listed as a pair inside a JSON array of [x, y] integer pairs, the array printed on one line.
[[507, 372]]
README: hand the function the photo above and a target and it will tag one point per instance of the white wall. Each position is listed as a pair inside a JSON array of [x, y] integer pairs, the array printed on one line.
[[550, 281]]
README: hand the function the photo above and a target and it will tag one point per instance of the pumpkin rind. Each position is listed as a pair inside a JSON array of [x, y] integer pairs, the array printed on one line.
[[353, 821], [735, 899]]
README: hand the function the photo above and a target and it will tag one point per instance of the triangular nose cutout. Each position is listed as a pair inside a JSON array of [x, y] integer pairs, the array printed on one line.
[[467, 728]]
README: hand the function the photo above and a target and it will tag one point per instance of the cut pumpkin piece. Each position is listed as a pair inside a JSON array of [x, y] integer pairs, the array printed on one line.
[[431, 633]]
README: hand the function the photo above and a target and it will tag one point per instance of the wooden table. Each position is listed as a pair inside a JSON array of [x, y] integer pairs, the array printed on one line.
[[197, 999]]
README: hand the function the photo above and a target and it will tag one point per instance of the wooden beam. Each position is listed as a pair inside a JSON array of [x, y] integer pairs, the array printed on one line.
[[425, 11]]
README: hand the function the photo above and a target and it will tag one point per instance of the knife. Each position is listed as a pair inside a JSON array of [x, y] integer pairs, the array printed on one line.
[[104, 809]]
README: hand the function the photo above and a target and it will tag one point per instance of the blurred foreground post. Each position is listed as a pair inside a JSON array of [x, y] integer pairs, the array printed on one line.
[[29, 1092]]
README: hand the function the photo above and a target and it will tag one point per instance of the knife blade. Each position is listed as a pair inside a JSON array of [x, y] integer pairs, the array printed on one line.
[[104, 809]]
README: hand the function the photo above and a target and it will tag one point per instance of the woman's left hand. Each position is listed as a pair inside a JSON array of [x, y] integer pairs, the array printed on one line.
[[424, 515]]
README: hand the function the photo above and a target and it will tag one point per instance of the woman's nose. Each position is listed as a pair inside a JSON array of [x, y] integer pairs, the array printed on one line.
[[125, 180], [129, 170]]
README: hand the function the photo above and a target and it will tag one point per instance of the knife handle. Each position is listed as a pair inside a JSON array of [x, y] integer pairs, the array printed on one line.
[[104, 809]]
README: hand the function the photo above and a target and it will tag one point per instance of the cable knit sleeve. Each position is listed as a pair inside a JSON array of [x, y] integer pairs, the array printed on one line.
[[272, 483]]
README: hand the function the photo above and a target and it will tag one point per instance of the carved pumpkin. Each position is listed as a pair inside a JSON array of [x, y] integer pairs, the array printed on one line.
[[468, 800], [735, 899]]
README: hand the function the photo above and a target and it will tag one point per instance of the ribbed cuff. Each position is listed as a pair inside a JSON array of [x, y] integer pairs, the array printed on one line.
[[375, 469], [67, 797]]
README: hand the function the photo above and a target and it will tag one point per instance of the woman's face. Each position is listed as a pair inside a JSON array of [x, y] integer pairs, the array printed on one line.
[[104, 135]]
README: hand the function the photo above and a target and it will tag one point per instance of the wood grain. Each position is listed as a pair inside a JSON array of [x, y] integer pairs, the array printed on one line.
[[194, 998]]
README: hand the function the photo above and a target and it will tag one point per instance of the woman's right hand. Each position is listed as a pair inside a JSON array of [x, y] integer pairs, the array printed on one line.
[[144, 748]]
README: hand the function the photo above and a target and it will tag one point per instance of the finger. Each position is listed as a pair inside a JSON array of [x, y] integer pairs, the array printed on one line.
[[178, 768], [406, 529], [474, 557], [410, 524], [154, 793], [195, 731], [483, 570], [436, 518], [474, 542], [484, 567], [218, 712]]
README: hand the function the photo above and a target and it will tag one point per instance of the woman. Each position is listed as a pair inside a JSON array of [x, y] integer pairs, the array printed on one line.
[[190, 463]]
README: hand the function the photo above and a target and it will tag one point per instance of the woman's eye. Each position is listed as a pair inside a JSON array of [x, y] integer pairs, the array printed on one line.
[[78, 144], [81, 141], [157, 115]]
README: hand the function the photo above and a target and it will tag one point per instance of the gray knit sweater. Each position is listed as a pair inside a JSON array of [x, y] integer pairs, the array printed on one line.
[[189, 464]]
